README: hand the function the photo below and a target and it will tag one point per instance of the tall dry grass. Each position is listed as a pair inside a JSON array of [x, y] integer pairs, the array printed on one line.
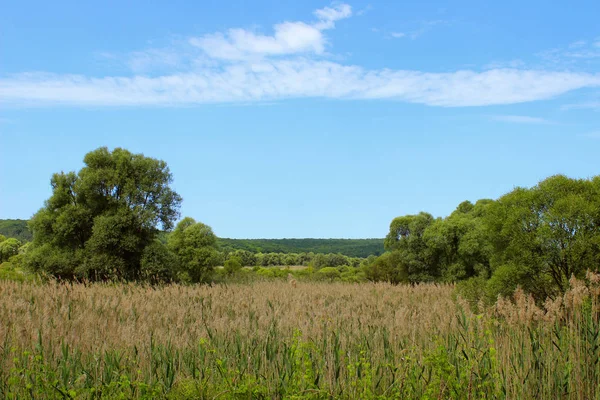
[[273, 340]]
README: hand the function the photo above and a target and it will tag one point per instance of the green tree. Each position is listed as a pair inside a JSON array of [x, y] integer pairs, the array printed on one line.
[[546, 234], [459, 244], [247, 258], [98, 222], [195, 245], [233, 265], [8, 248], [406, 236], [290, 259], [388, 267]]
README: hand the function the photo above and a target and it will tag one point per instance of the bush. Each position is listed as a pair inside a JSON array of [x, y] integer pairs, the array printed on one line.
[[9, 271], [233, 265], [389, 267], [329, 273]]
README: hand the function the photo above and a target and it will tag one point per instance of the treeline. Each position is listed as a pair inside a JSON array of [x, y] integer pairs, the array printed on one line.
[[534, 238], [15, 228], [250, 259], [348, 247], [18, 229]]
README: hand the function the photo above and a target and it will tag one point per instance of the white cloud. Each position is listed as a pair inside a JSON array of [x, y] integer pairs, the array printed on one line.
[[238, 44], [592, 135], [397, 35], [522, 119], [288, 38], [241, 66], [299, 78], [328, 15]]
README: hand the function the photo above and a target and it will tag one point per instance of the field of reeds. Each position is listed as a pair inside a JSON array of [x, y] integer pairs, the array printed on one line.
[[307, 340]]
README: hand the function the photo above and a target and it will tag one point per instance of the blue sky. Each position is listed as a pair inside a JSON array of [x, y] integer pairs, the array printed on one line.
[[302, 119]]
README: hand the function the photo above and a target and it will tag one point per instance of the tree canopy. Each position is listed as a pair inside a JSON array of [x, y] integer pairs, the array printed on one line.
[[546, 234], [536, 238], [195, 245], [97, 222]]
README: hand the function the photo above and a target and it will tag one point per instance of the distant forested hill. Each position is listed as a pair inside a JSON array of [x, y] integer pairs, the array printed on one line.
[[15, 228], [347, 247]]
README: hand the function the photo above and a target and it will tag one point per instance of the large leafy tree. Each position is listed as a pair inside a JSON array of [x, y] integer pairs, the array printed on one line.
[[544, 235], [98, 222], [459, 244], [406, 237]]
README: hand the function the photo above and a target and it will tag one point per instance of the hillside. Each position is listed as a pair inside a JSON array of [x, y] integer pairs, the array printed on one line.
[[16, 228], [347, 247]]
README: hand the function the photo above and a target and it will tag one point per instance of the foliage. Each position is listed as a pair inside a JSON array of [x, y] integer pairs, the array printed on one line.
[[407, 237], [15, 228], [547, 233], [459, 244], [158, 263], [13, 271], [233, 265], [194, 243], [389, 267], [8, 248], [347, 247], [98, 222], [536, 239], [329, 273]]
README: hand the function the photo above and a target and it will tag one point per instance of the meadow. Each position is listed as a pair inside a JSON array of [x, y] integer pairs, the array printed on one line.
[[314, 340]]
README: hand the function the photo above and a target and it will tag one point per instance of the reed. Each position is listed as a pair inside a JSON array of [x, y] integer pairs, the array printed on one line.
[[311, 340]]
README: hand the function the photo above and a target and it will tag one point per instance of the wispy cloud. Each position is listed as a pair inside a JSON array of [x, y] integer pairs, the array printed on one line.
[[592, 135], [425, 27], [364, 10], [422, 28], [576, 52], [505, 64], [275, 80], [591, 105], [243, 66], [522, 119], [153, 59]]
